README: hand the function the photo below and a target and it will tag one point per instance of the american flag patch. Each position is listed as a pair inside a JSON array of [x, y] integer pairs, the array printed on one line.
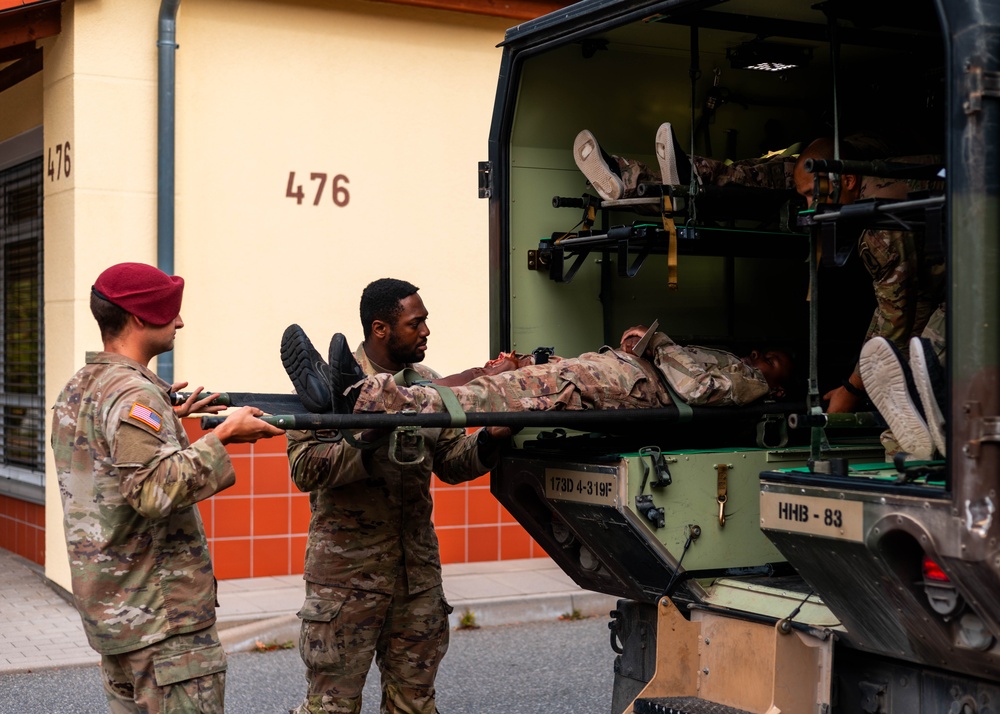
[[145, 415]]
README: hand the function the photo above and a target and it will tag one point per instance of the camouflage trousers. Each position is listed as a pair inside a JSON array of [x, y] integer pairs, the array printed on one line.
[[935, 331], [595, 380], [179, 675], [776, 172], [342, 629]]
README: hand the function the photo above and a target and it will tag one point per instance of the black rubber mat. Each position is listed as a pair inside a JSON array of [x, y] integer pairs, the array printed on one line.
[[683, 705]]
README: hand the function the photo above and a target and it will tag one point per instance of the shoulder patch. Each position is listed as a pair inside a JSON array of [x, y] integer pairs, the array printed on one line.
[[140, 412]]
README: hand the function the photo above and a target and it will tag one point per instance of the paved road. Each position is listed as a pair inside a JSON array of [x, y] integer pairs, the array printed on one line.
[[553, 667]]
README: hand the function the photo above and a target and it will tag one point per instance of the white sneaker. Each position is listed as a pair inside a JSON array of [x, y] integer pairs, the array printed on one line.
[[929, 378], [590, 160], [890, 387], [666, 156]]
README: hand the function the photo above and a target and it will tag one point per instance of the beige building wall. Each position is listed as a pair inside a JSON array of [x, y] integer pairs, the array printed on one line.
[[396, 99]]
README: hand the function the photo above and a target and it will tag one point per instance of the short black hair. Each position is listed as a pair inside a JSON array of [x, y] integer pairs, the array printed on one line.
[[382, 299], [110, 318]]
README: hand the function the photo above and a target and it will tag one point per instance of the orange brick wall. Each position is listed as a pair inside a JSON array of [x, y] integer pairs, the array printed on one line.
[[473, 527], [259, 526], [22, 528]]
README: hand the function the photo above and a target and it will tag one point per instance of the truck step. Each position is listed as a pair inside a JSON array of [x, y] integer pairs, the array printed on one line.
[[683, 705]]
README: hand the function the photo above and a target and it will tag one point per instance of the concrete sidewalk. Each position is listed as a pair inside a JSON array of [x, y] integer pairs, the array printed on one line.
[[39, 629]]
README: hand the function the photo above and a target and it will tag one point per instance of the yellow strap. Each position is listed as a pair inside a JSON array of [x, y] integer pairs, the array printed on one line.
[[722, 488], [667, 214]]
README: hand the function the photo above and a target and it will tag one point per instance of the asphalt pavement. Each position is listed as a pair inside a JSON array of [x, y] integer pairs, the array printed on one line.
[[40, 628], [556, 667]]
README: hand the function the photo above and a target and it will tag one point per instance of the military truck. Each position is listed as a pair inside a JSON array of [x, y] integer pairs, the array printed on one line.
[[760, 568]]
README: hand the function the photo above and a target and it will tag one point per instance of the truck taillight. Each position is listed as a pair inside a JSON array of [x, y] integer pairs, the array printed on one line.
[[933, 572], [941, 593]]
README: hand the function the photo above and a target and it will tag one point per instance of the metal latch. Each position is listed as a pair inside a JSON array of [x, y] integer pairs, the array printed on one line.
[[981, 429], [722, 488], [616, 627], [661, 472], [978, 84], [644, 504], [485, 179], [772, 431], [872, 697], [403, 437]]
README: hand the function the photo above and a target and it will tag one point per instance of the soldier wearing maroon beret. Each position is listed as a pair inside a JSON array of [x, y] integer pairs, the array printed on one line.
[[129, 480]]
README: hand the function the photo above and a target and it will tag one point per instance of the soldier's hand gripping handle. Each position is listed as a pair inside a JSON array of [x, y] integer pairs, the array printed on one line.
[[243, 426], [219, 399], [186, 403]]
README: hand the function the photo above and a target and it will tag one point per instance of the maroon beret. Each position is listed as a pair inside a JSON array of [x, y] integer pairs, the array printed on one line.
[[145, 291]]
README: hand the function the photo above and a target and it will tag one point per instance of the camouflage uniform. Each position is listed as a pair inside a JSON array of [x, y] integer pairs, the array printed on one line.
[[141, 573], [772, 172], [610, 379], [373, 568], [909, 289]]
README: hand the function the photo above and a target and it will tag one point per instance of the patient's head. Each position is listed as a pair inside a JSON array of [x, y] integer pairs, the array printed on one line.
[[823, 148], [775, 365]]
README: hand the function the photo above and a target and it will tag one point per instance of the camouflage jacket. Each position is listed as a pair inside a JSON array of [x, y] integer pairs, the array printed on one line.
[[371, 519], [129, 479], [707, 377]]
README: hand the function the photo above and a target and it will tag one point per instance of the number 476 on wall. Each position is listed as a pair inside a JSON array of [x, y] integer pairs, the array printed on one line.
[[341, 196], [61, 166]]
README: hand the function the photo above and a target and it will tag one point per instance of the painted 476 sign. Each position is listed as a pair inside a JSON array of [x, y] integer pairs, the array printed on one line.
[[317, 190], [59, 162]]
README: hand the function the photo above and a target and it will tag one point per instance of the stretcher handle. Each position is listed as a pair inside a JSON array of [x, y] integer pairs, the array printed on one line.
[[588, 419], [856, 420], [223, 400]]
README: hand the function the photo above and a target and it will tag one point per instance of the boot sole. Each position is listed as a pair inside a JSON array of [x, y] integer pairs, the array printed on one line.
[[666, 156], [920, 366], [587, 154], [344, 373], [304, 366], [884, 377]]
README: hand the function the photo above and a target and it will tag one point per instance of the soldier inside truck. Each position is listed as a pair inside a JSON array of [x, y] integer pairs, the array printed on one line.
[[908, 280], [900, 100]]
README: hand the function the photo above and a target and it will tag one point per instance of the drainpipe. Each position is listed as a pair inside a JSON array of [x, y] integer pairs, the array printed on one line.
[[165, 129]]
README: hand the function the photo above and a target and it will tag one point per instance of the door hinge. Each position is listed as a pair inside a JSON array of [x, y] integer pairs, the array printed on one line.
[[981, 429], [485, 179], [979, 83]]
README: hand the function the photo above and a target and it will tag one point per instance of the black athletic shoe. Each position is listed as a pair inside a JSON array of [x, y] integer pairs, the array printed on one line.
[[344, 372], [890, 386], [306, 369], [929, 376]]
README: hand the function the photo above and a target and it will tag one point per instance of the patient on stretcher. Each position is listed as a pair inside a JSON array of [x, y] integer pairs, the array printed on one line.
[[616, 177], [608, 379]]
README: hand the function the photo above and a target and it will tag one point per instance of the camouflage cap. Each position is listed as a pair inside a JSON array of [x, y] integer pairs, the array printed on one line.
[[142, 290]]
